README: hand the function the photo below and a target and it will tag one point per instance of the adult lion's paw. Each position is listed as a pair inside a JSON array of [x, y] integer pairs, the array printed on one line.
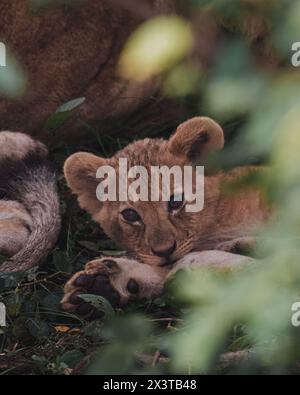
[[119, 280]]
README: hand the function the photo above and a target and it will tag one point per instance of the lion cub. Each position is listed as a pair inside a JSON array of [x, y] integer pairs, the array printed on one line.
[[162, 233]]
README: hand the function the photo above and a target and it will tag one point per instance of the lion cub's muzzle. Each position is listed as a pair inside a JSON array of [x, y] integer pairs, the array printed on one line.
[[165, 252], [167, 256]]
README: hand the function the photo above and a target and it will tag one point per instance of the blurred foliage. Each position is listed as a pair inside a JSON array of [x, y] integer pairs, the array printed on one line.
[[13, 81], [254, 92], [260, 88], [155, 47]]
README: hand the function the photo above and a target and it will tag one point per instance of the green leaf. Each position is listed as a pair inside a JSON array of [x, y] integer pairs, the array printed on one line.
[[100, 304], [89, 245], [61, 262], [107, 245], [155, 47], [39, 359], [56, 120], [62, 114], [102, 247], [71, 358], [38, 328], [71, 105], [94, 330], [51, 302], [113, 253]]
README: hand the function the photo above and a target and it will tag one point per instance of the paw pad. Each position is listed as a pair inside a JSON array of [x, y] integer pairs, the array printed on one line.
[[94, 285]]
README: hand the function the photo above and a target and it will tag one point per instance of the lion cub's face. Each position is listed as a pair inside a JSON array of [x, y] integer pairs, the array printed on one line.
[[159, 232]]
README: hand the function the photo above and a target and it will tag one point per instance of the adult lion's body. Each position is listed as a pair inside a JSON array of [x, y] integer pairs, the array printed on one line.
[[70, 51]]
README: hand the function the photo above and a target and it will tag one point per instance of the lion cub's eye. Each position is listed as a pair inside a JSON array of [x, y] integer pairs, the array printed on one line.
[[130, 215], [176, 202]]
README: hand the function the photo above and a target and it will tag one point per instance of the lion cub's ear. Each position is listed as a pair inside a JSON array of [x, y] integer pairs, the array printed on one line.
[[196, 138], [80, 172]]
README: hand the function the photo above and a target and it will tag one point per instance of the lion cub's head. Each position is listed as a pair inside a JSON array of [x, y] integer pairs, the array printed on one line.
[[159, 232]]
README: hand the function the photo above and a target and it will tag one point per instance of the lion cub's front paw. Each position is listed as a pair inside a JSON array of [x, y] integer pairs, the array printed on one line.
[[94, 280], [119, 280]]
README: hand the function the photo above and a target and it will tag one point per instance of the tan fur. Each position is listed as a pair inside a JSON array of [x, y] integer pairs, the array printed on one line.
[[224, 220], [151, 280], [228, 222]]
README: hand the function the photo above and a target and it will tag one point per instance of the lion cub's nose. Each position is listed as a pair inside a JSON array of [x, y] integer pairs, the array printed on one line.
[[165, 252]]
